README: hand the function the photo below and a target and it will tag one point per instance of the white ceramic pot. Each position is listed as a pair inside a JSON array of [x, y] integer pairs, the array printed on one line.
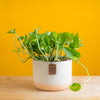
[[52, 76]]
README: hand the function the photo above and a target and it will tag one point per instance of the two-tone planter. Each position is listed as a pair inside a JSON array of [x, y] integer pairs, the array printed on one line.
[[52, 75]]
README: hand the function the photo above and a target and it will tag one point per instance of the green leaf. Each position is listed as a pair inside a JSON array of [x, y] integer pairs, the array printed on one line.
[[71, 53], [81, 44], [47, 32], [75, 87], [54, 34], [32, 36], [68, 52], [46, 39], [65, 37], [25, 42], [25, 37], [14, 50], [75, 43], [80, 40], [76, 40], [18, 50], [31, 33], [12, 31], [20, 38], [37, 29]]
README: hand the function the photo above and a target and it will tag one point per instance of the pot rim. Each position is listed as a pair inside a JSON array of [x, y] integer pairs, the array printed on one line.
[[53, 61]]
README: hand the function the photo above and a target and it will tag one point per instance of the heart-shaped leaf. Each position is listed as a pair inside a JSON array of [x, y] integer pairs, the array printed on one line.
[[75, 87], [71, 53]]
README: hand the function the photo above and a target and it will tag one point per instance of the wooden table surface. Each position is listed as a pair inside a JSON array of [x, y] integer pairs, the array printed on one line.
[[22, 88]]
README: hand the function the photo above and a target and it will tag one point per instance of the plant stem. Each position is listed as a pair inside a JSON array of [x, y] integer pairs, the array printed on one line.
[[22, 49], [40, 48], [86, 71], [17, 48], [23, 46], [51, 54], [60, 53], [14, 41], [31, 48], [56, 53]]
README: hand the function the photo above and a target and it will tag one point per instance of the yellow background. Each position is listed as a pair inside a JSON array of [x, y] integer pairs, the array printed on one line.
[[82, 16]]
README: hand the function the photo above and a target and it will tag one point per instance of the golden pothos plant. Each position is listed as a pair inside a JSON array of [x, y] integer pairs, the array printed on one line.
[[49, 47]]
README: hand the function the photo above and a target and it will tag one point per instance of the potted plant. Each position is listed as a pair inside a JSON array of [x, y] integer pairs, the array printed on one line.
[[52, 55]]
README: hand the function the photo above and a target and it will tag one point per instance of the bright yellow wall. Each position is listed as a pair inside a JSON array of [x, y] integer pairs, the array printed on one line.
[[82, 16]]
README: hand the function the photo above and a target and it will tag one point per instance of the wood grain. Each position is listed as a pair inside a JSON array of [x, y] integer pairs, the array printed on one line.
[[22, 88]]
